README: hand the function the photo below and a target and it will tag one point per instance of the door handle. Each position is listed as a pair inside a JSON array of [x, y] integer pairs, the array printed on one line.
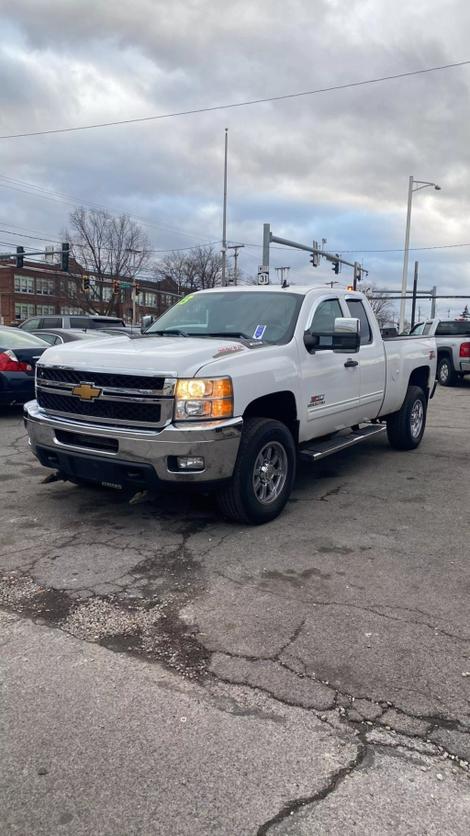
[[349, 364]]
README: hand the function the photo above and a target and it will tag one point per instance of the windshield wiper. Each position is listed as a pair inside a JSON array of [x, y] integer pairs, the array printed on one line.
[[173, 332]]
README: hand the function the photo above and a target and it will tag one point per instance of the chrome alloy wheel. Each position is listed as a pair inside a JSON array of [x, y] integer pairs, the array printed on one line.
[[444, 373], [416, 418], [270, 472]]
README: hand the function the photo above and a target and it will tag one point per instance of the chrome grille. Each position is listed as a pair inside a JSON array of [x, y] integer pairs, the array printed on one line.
[[132, 400], [147, 413], [105, 379]]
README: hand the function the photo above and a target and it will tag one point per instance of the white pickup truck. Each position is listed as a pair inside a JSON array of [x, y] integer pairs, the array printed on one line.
[[453, 347], [225, 390]]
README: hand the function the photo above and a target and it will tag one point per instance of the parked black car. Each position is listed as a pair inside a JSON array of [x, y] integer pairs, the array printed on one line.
[[56, 336], [18, 355]]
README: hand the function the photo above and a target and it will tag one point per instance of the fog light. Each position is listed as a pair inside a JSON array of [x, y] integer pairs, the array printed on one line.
[[190, 462]]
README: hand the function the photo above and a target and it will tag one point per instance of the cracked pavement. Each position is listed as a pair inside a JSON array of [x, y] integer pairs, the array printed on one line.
[[163, 671]]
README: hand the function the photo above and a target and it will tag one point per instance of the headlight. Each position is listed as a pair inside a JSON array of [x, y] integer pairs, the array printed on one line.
[[201, 397]]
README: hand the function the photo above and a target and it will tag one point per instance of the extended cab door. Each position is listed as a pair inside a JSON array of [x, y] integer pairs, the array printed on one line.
[[330, 384], [371, 359]]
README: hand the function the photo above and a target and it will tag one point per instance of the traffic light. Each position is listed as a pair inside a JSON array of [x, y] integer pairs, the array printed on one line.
[[19, 257], [64, 257], [137, 288], [336, 265], [357, 273], [315, 257], [85, 283]]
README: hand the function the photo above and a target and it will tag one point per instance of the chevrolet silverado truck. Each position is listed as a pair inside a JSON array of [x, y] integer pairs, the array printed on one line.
[[453, 347], [225, 390]]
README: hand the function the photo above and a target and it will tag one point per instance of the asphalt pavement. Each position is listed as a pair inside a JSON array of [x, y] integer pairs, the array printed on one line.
[[166, 672]]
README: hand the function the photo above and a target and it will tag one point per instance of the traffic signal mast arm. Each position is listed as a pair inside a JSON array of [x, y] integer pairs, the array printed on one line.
[[316, 255]]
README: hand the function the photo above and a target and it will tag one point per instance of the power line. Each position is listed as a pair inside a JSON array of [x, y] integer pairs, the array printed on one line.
[[246, 103], [24, 187], [398, 250], [411, 249], [106, 249]]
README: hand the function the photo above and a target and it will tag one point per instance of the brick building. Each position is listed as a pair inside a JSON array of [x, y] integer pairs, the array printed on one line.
[[40, 288]]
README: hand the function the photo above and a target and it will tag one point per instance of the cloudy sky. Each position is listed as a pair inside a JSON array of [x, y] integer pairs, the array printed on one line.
[[333, 165]]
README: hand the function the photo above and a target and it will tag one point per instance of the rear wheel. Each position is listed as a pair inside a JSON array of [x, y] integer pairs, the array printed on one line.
[[446, 373], [405, 428], [264, 473]]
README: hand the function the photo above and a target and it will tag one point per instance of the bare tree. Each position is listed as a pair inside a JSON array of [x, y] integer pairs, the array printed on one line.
[[107, 247], [198, 269], [380, 303]]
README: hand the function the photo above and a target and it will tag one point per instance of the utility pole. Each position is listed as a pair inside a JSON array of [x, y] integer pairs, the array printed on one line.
[[134, 300], [235, 248], [281, 270], [415, 289], [224, 222], [433, 302]]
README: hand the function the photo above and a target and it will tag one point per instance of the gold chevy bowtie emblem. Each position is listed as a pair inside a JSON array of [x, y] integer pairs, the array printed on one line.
[[86, 392]]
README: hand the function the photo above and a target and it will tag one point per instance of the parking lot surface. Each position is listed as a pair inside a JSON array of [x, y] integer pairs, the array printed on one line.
[[164, 671]]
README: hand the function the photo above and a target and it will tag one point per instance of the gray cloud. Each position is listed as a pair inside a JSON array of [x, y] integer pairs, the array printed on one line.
[[334, 164]]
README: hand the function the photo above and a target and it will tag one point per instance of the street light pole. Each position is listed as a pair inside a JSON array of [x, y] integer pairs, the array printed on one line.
[[404, 278], [224, 222], [413, 186]]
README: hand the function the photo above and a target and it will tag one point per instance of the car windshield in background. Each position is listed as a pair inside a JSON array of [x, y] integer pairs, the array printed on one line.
[[254, 315], [453, 329], [19, 339]]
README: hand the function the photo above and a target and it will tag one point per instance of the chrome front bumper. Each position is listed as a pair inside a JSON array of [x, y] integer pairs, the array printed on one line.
[[216, 441]]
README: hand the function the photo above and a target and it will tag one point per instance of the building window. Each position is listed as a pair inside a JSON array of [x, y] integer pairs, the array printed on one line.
[[45, 287], [107, 293], [23, 311], [45, 310], [67, 310], [24, 284], [148, 299]]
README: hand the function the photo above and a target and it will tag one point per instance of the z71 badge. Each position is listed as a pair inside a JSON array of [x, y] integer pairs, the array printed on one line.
[[316, 400]]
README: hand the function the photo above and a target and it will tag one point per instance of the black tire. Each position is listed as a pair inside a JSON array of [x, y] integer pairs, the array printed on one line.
[[238, 499], [446, 374], [405, 428]]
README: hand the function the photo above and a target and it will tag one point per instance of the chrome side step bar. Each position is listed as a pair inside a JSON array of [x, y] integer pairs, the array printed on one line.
[[313, 451]]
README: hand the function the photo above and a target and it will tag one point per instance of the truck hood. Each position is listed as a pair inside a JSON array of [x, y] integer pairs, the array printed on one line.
[[166, 356]]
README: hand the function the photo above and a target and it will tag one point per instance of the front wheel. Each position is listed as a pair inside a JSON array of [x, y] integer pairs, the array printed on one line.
[[264, 473], [405, 428], [446, 373]]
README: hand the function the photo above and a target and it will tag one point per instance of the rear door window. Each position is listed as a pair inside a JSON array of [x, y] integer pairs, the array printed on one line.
[[358, 311], [80, 322], [52, 339], [51, 322]]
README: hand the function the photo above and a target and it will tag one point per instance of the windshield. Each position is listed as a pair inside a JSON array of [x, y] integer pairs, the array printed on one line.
[[260, 315]]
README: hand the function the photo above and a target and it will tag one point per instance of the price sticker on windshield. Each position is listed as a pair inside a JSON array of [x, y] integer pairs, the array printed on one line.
[[259, 332]]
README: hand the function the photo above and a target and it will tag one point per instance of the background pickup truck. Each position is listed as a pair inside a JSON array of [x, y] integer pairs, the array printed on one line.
[[226, 389], [453, 347]]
